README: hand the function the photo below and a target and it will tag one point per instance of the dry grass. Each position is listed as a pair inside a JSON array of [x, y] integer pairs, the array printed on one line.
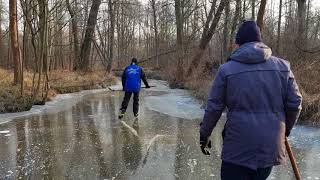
[[10, 96], [60, 82], [311, 108], [199, 83], [66, 81], [308, 78]]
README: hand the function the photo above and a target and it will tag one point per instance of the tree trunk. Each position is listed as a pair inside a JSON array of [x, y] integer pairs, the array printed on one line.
[[2, 49], [70, 48], [279, 27], [301, 26], [235, 21], [253, 9], [75, 32], [43, 45], [59, 56], [26, 51], [16, 55], [195, 22], [316, 32], [261, 13], [155, 26], [206, 36], [111, 34], [179, 27], [244, 9], [226, 32], [86, 45], [307, 21]]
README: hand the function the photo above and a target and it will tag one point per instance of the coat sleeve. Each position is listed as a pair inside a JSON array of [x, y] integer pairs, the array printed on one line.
[[123, 78], [215, 105], [292, 103], [144, 78]]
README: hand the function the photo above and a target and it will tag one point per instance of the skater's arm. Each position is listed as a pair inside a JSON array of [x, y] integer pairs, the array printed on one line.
[[144, 79], [123, 78]]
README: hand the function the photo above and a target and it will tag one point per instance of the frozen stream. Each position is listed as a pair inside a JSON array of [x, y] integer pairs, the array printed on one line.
[[78, 136]]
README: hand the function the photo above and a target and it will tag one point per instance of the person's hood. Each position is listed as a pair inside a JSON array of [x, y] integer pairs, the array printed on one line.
[[252, 53]]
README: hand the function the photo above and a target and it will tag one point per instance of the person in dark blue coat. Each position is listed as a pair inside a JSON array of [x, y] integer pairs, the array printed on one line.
[[131, 83], [263, 103]]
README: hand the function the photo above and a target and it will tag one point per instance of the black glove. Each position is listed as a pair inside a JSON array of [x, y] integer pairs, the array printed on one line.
[[204, 144]]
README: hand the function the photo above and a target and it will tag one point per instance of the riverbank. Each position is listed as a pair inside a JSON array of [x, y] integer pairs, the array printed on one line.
[[60, 82]]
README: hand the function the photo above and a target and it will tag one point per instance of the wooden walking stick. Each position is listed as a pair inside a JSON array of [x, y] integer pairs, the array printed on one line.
[[293, 160]]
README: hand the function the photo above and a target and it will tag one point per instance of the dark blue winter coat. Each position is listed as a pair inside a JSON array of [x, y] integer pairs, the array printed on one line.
[[263, 102], [131, 78]]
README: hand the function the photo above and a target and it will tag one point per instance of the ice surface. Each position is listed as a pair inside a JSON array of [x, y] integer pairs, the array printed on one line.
[[4, 132], [176, 102], [176, 105], [59, 103], [87, 141]]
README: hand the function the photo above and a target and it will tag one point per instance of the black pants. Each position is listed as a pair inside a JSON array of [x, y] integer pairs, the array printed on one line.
[[231, 171], [126, 100]]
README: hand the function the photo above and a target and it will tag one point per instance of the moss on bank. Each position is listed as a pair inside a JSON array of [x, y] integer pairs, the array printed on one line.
[[61, 82]]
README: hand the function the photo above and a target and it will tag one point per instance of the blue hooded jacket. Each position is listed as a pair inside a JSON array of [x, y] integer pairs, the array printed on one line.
[[263, 102], [131, 78]]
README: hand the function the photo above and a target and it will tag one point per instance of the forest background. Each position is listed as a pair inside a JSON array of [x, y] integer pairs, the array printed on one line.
[[60, 46]]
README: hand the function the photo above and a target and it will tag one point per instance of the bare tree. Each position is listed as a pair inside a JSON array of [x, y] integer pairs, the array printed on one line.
[[279, 27], [261, 13], [226, 31], [179, 27], [302, 10], [155, 27], [207, 34], [235, 21], [2, 46], [253, 9], [16, 55], [43, 46], [75, 32], [244, 9], [111, 34], [86, 45]]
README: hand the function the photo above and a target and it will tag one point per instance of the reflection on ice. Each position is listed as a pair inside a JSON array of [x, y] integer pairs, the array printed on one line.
[[59, 103], [133, 131]]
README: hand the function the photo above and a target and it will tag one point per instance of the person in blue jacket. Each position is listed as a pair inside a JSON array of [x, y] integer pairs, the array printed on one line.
[[131, 83], [263, 103]]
